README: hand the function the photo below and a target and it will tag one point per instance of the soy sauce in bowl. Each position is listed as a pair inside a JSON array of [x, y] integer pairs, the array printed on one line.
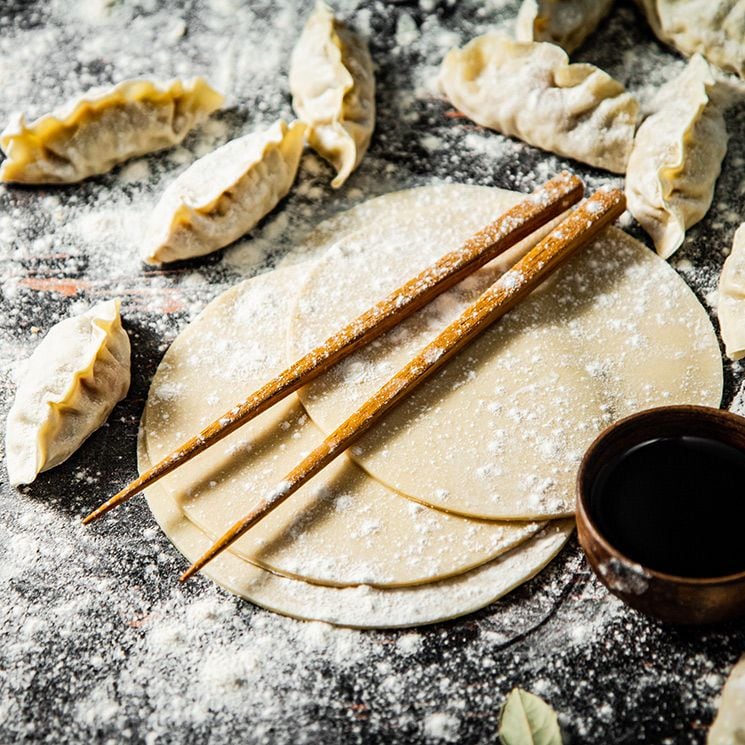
[[675, 505], [661, 512]]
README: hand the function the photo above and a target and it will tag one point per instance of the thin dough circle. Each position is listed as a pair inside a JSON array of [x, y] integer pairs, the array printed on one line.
[[615, 332], [361, 606], [343, 528]]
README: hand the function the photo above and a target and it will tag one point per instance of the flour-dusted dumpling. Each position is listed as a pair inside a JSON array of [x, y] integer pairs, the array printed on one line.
[[729, 726], [223, 195], [102, 128], [564, 22], [333, 91], [731, 309], [714, 28], [73, 380], [677, 157], [530, 91]]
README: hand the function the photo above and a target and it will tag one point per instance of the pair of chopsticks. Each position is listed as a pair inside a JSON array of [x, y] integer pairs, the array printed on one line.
[[535, 211]]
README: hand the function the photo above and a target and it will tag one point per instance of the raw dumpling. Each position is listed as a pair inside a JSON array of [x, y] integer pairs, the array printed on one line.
[[731, 308], [104, 127], [729, 726], [530, 91], [564, 22], [333, 91], [223, 195], [677, 157], [714, 28], [74, 379]]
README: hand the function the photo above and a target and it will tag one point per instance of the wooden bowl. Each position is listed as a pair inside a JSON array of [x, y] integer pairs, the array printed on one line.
[[670, 598]]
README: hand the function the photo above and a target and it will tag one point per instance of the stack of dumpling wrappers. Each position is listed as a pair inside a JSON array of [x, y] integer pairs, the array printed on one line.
[[462, 491]]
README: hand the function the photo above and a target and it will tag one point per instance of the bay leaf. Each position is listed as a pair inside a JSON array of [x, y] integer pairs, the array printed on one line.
[[527, 719]]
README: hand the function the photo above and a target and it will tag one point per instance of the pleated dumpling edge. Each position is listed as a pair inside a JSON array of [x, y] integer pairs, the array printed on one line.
[[531, 91], [104, 127], [224, 194], [731, 306], [72, 381], [333, 90], [677, 157]]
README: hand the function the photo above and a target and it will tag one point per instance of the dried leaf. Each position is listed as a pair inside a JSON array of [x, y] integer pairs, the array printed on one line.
[[528, 720]]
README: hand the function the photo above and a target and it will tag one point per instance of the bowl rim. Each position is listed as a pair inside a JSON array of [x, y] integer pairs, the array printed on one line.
[[584, 513]]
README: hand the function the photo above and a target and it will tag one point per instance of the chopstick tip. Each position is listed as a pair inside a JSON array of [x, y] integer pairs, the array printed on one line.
[[98, 512], [190, 572], [214, 550], [135, 487]]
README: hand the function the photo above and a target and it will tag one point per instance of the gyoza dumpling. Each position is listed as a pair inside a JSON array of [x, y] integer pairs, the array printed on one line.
[[677, 157], [714, 28], [102, 128], [731, 309], [530, 91], [728, 728], [223, 195], [564, 22], [73, 380], [333, 91]]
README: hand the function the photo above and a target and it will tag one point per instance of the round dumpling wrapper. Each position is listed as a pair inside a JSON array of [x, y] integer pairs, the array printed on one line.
[[360, 606], [499, 432], [343, 527]]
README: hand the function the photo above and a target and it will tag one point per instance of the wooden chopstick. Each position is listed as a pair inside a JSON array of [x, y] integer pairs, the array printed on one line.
[[548, 255], [543, 205]]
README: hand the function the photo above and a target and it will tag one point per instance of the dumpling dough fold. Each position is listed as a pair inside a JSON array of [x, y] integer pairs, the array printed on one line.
[[333, 91], [677, 158], [74, 378], [564, 22], [731, 309], [223, 195], [713, 28], [104, 127], [728, 728], [530, 91]]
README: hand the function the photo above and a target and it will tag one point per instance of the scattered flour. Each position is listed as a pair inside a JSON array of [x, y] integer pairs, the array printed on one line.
[[442, 727]]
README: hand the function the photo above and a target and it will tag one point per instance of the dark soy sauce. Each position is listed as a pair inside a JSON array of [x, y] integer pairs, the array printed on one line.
[[676, 505]]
